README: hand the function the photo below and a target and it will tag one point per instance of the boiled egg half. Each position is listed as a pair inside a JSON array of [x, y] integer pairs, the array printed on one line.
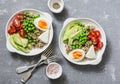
[[42, 23], [77, 54]]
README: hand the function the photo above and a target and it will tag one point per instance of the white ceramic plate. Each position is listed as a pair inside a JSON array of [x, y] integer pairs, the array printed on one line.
[[103, 39], [33, 52]]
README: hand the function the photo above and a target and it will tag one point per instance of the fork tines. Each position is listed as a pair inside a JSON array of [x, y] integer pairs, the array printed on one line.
[[48, 51]]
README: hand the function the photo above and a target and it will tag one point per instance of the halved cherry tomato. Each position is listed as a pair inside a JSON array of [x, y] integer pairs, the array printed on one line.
[[20, 16], [16, 22], [90, 36], [94, 40], [19, 28], [22, 33], [97, 33], [92, 32], [96, 48], [100, 45], [11, 30]]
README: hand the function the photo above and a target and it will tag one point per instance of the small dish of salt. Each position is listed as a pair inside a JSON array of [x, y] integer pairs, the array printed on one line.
[[54, 70]]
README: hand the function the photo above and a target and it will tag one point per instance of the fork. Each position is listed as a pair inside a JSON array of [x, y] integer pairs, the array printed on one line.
[[26, 68], [44, 56]]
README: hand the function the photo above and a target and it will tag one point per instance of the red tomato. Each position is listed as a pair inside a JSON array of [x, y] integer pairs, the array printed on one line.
[[95, 40], [100, 45], [22, 33], [92, 32], [19, 28], [89, 36], [96, 48], [11, 30], [20, 16], [16, 22], [97, 33]]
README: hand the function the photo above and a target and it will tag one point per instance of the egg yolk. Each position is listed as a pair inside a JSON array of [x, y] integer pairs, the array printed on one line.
[[77, 55], [42, 24]]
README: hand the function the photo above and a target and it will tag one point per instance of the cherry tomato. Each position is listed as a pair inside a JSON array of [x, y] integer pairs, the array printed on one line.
[[22, 33], [97, 33], [20, 16], [19, 28], [16, 22], [100, 44], [92, 32], [95, 40], [90, 36], [11, 30], [96, 48]]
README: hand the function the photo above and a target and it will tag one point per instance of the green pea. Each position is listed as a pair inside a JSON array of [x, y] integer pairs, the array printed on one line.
[[77, 46], [73, 47], [24, 17], [90, 42]]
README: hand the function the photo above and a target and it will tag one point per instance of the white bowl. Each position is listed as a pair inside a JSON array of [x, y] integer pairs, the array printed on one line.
[[33, 51], [99, 53], [59, 73], [60, 2]]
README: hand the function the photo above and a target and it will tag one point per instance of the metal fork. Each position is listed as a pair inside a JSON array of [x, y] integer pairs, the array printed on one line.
[[47, 61], [44, 56]]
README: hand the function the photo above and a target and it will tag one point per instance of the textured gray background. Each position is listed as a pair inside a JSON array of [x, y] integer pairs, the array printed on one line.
[[105, 12]]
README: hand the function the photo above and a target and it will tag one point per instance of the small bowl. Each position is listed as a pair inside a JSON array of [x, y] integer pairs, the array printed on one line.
[[58, 74], [32, 52], [87, 21], [59, 2]]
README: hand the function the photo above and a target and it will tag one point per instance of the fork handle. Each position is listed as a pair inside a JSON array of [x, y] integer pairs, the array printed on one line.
[[25, 68], [26, 76]]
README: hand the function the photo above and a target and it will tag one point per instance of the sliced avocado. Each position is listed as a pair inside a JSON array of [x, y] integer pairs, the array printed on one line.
[[75, 34], [20, 41], [70, 41], [17, 39], [70, 25], [12, 42], [25, 50], [24, 42], [71, 31]]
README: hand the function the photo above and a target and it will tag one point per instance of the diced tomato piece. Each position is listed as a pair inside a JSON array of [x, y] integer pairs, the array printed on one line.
[[22, 33], [11, 30], [96, 48], [20, 16], [97, 33], [94, 40], [16, 22], [100, 45]]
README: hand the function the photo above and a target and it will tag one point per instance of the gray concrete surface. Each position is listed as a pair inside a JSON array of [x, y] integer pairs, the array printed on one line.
[[105, 12]]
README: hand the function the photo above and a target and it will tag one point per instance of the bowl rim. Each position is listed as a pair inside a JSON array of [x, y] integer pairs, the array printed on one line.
[[66, 22], [7, 24]]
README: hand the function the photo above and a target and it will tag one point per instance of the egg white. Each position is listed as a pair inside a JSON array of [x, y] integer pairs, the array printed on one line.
[[79, 50], [41, 18]]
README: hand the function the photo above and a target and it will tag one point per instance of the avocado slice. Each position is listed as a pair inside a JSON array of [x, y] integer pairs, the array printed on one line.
[[71, 32], [20, 41], [12, 42], [25, 50]]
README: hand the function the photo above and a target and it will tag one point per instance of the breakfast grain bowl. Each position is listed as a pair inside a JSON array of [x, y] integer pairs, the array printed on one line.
[[82, 41], [29, 32]]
